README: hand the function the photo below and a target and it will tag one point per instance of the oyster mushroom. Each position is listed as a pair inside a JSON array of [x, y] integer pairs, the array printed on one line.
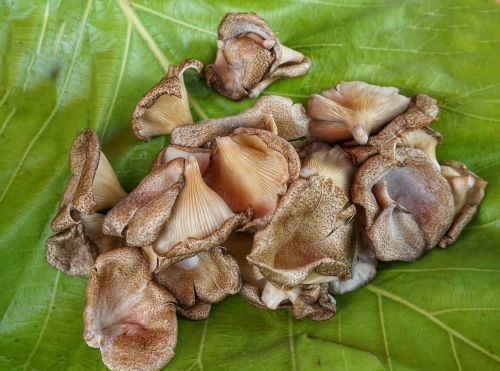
[[201, 280], [250, 57], [290, 119], [202, 155], [94, 187], [407, 206], [127, 315], [165, 105], [309, 238], [468, 192], [311, 301], [252, 168], [353, 110]]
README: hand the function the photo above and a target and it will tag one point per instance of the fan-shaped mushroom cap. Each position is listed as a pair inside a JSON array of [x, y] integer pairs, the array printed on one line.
[[468, 192], [165, 105], [172, 151], [309, 238], [290, 119], [353, 110], [127, 315], [407, 205], [200, 281], [250, 57]]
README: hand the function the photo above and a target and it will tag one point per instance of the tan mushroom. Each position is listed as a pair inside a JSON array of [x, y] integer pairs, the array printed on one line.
[[309, 238], [407, 206], [172, 151], [127, 315], [353, 110], [290, 119], [200, 281], [468, 192], [165, 105], [250, 57]]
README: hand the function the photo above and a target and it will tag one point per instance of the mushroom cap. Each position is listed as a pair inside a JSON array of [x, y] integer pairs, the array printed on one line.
[[172, 151], [127, 315], [165, 105], [310, 235], [290, 119], [201, 280], [406, 204]]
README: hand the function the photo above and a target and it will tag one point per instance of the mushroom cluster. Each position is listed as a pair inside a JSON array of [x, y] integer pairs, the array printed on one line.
[[283, 205]]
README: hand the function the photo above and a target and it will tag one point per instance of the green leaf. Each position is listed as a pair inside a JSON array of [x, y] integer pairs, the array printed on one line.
[[67, 65]]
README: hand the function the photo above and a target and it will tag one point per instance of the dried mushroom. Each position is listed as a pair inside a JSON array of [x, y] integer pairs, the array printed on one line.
[[310, 237], [468, 192], [165, 105], [407, 206], [250, 57], [200, 281], [290, 119], [353, 110], [127, 315]]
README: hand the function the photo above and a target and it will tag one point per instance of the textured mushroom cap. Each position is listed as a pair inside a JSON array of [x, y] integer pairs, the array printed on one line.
[[172, 151], [468, 192], [165, 105], [310, 234], [354, 109], [406, 204], [423, 111], [127, 315], [290, 119], [201, 280], [159, 181]]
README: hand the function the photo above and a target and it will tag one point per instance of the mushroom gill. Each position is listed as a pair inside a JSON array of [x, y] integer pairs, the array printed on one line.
[[166, 105], [353, 110], [424, 139], [106, 186], [172, 151]]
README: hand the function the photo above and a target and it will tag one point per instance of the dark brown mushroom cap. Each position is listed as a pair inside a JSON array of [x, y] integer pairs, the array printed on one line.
[[160, 180], [423, 111], [309, 238], [165, 105], [290, 119], [127, 315], [468, 192], [201, 280], [406, 204]]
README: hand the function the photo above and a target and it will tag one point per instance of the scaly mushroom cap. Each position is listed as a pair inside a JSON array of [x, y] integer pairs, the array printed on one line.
[[163, 178], [468, 192], [309, 238], [290, 119], [353, 110], [407, 205], [127, 315], [332, 163], [200, 281], [252, 168], [250, 57], [93, 186], [423, 111], [165, 105], [202, 155]]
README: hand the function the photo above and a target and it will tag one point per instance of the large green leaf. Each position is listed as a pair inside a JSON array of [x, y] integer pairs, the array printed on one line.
[[67, 65]]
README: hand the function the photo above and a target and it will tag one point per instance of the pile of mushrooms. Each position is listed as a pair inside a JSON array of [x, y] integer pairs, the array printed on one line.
[[284, 206]]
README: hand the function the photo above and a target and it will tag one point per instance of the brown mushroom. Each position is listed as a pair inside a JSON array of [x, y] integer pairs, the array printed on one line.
[[165, 105], [127, 315], [200, 281], [407, 206], [354, 109], [250, 57], [468, 192], [290, 119]]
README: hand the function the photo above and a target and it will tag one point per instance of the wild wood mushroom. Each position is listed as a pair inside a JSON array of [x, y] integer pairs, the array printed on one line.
[[93, 187], [165, 105], [407, 206], [172, 151], [250, 57], [290, 119], [127, 315], [200, 281], [353, 109]]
